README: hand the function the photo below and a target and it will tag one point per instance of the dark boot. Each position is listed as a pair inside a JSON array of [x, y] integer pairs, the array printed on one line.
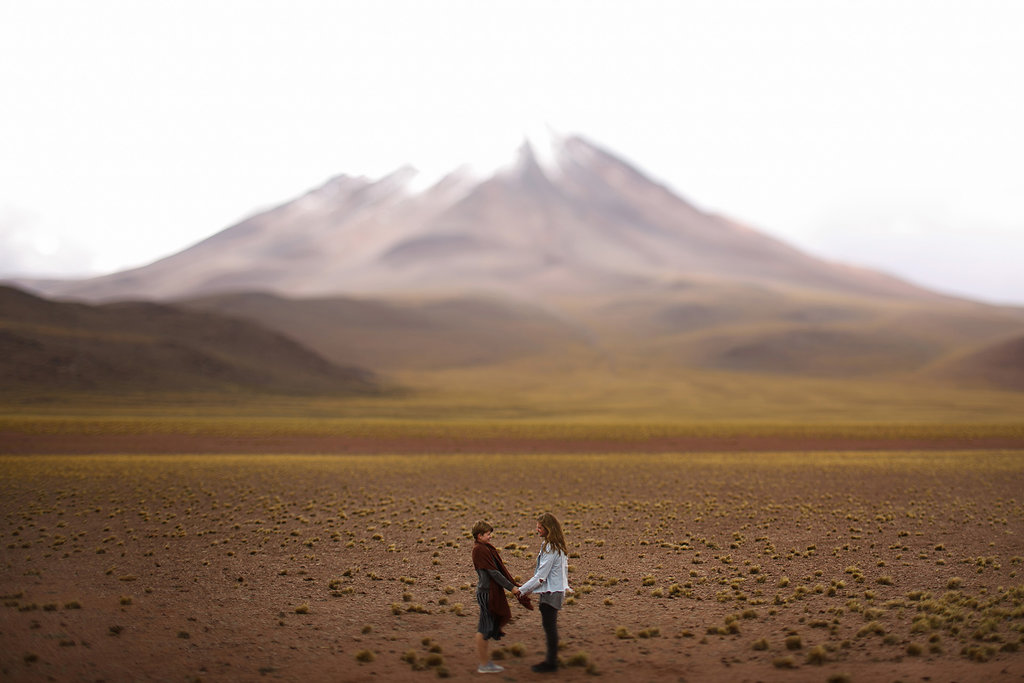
[[549, 619]]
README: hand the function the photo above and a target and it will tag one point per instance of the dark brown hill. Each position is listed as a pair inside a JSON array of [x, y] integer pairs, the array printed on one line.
[[148, 347]]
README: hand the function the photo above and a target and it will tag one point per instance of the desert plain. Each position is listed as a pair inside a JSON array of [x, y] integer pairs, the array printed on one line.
[[811, 552], [259, 458]]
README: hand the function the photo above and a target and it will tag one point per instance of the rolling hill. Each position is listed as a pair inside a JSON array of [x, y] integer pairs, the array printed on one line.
[[48, 346], [395, 335], [999, 364]]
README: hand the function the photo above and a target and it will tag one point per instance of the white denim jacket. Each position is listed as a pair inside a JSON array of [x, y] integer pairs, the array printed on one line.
[[552, 573]]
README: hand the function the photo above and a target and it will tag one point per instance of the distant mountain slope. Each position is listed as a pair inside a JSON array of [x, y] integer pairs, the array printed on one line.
[[735, 328], [146, 347], [573, 221], [750, 329], [999, 365], [408, 334]]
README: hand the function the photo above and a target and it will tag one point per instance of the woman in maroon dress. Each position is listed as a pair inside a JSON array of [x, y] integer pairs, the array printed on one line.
[[493, 579]]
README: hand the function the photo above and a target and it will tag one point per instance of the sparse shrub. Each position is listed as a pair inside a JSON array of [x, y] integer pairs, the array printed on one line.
[[794, 642], [817, 655], [871, 628], [623, 633], [978, 653], [581, 659], [365, 656], [915, 649], [302, 609], [784, 663], [760, 644]]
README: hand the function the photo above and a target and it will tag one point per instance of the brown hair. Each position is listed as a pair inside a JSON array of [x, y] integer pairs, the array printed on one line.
[[554, 538], [481, 528]]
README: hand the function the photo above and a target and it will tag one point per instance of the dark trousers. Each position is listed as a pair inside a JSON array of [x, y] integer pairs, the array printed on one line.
[[549, 619]]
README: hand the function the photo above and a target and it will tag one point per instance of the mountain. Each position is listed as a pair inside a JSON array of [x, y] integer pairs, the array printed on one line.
[[566, 267], [146, 347], [569, 221]]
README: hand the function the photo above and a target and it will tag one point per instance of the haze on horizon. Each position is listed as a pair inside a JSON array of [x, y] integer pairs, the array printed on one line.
[[877, 133]]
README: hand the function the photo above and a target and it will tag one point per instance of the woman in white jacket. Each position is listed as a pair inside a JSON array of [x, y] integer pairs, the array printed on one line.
[[551, 583]]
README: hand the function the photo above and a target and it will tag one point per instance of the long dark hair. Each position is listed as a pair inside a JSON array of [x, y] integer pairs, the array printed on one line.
[[554, 537]]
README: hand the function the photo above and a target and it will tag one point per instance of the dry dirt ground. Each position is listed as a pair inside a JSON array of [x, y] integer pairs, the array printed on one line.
[[811, 566]]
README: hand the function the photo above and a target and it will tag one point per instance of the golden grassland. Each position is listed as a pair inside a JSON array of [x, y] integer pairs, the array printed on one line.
[[548, 391], [623, 432], [717, 566], [483, 404]]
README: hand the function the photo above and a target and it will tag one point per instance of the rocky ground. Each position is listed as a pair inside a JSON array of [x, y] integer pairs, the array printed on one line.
[[811, 566]]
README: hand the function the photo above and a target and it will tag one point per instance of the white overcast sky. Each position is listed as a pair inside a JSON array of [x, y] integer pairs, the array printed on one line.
[[886, 133]]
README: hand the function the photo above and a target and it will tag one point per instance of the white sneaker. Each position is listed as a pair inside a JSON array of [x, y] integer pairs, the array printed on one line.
[[489, 668]]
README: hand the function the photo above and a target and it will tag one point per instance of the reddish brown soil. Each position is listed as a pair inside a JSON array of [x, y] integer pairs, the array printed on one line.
[[62, 444], [890, 566]]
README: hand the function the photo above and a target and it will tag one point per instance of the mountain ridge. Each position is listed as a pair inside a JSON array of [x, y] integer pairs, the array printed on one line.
[[579, 223]]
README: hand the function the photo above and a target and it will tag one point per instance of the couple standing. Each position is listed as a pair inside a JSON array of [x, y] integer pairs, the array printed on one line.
[[550, 581]]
